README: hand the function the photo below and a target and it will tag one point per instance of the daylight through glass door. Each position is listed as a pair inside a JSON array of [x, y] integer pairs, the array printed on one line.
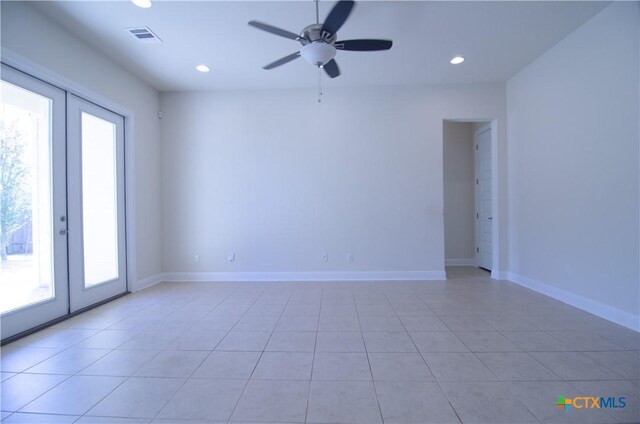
[[26, 227]]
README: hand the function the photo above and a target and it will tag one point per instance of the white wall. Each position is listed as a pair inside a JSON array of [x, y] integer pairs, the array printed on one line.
[[278, 178], [573, 167], [459, 205], [29, 33]]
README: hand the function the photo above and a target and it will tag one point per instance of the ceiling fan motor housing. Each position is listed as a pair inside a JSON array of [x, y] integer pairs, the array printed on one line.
[[317, 47], [313, 32]]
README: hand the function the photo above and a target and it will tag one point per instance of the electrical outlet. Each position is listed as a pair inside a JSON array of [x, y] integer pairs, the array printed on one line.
[[231, 257], [325, 257], [196, 258], [349, 257]]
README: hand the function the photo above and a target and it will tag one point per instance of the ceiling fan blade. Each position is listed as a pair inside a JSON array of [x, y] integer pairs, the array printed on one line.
[[274, 30], [331, 68], [282, 61], [363, 45], [337, 17]]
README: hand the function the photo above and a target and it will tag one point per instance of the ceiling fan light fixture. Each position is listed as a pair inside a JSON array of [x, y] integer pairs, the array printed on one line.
[[145, 4], [318, 53], [457, 60]]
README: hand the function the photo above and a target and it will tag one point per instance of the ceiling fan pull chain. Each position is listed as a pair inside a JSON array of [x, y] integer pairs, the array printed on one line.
[[319, 86]]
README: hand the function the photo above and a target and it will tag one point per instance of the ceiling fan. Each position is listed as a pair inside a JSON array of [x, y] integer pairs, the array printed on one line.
[[318, 40]]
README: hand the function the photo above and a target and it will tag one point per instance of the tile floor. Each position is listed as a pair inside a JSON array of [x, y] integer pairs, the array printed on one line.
[[468, 349]]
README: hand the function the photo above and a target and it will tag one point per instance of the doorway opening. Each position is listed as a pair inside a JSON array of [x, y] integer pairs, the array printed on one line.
[[468, 193]]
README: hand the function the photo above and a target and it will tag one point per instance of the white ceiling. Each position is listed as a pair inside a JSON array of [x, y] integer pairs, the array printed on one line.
[[497, 39]]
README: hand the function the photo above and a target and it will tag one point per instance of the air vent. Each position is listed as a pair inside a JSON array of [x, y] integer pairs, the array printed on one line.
[[144, 35]]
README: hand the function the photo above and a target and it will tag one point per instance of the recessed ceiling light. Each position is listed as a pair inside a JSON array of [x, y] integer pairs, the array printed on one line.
[[145, 4], [203, 68], [457, 60]]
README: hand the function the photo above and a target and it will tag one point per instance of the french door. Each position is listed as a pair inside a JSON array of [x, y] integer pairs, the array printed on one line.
[[62, 242], [95, 175]]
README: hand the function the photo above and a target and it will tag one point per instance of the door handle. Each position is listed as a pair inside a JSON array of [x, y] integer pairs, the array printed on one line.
[[490, 217], [63, 232]]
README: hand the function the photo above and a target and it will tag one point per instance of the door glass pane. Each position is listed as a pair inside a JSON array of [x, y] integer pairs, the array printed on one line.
[[26, 235], [99, 200]]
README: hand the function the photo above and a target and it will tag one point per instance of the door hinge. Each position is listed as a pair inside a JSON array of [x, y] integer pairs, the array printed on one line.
[[477, 215], [476, 147], [160, 115], [476, 181], [477, 250]]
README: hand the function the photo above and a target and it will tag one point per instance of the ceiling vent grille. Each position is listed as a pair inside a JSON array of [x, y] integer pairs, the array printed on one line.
[[144, 35]]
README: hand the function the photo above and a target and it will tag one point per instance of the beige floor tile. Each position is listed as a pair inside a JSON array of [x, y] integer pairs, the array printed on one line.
[[375, 323], [624, 363], [74, 396], [209, 400], [574, 366], [214, 352], [537, 341], [343, 402], [173, 363], [423, 323], [438, 341], [284, 366], [24, 418], [120, 363], [23, 388], [339, 341], [292, 341], [388, 341], [69, 361], [198, 339], [486, 402], [465, 323], [457, 367], [252, 341], [138, 397], [339, 323], [15, 358], [414, 402], [341, 366], [272, 401], [228, 365], [108, 339], [516, 366], [486, 341], [399, 367], [297, 323]]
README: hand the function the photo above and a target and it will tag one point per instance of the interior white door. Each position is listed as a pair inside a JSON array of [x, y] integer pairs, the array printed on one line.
[[97, 260], [33, 210], [484, 215]]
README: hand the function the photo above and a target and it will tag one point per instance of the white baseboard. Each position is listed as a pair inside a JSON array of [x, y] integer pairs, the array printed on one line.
[[460, 262], [600, 309], [147, 282], [305, 276], [500, 275]]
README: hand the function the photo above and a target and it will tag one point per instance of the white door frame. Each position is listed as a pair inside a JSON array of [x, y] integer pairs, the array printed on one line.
[[495, 191], [32, 68]]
